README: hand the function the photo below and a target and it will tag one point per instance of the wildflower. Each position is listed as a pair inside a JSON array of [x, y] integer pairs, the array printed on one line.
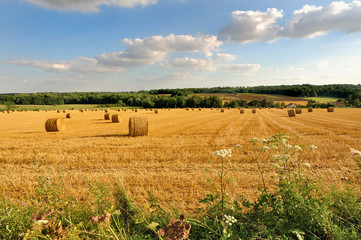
[[264, 148], [305, 165], [312, 147], [229, 220], [223, 153], [264, 140], [289, 146], [238, 146], [355, 152], [254, 140], [297, 148]]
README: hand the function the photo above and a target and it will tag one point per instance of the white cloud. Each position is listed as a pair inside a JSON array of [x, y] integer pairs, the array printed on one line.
[[190, 63], [154, 49], [224, 57], [239, 68], [248, 26], [323, 64], [88, 5], [82, 65], [308, 22]]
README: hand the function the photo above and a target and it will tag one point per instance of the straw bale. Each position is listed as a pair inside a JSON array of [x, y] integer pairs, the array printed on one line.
[[330, 109], [291, 113], [54, 125], [106, 110], [138, 126], [254, 110], [69, 115], [156, 111], [58, 111], [310, 109], [222, 110], [241, 111], [117, 118], [298, 111], [107, 116], [136, 110]]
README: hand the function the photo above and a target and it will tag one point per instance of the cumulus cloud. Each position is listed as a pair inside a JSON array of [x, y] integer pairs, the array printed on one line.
[[308, 22], [154, 49], [82, 65], [190, 63], [239, 68], [88, 5], [224, 57], [248, 26]]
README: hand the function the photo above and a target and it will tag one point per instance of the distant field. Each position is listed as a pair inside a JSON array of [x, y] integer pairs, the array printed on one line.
[[322, 99], [256, 96], [170, 163]]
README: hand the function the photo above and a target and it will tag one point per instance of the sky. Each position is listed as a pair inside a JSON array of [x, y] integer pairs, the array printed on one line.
[[132, 45]]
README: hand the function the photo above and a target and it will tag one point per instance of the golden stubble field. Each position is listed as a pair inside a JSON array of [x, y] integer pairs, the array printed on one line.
[[170, 162]]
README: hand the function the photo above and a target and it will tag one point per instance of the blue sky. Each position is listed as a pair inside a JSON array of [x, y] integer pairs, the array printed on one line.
[[126, 45]]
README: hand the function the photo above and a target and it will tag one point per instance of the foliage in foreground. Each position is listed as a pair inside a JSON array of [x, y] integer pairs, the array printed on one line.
[[298, 208]]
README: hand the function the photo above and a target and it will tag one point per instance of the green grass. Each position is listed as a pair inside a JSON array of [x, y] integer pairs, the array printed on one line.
[[322, 99]]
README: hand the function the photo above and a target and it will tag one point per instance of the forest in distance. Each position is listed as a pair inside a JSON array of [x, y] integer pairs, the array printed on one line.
[[349, 95]]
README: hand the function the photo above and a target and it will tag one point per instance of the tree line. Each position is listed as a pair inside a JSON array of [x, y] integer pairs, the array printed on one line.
[[179, 98]]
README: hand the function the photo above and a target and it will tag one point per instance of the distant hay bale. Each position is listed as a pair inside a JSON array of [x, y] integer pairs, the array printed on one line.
[[117, 118], [136, 110], [156, 111], [187, 109], [58, 111], [138, 126], [310, 110], [291, 113], [200, 109], [54, 125], [119, 110], [64, 111], [81, 110], [298, 111], [106, 110], [211, 108], [222, 110], [241, 111], [254, 110], [330, 109], [69, 115], [229, 108], [107, 116]]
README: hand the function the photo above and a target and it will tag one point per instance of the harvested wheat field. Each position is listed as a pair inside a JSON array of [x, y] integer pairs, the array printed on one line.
[[171, 161]]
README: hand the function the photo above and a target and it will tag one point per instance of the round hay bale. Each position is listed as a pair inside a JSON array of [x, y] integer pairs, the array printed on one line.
[[156, 111], [64, 111], [136, 110], [310, 109], [200, 109], [58, 111], [291, 113], [222, 110], [330, 109], [106, 110], [117, 118], [81, 110], [298, 111], [69, 115], [107, 116], [241, 111], [254, 110], [138, 126], [54, 125]]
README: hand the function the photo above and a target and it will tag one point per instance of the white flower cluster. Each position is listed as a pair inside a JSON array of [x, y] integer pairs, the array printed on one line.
[[229, 220], [355, 152], [223, 153]]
